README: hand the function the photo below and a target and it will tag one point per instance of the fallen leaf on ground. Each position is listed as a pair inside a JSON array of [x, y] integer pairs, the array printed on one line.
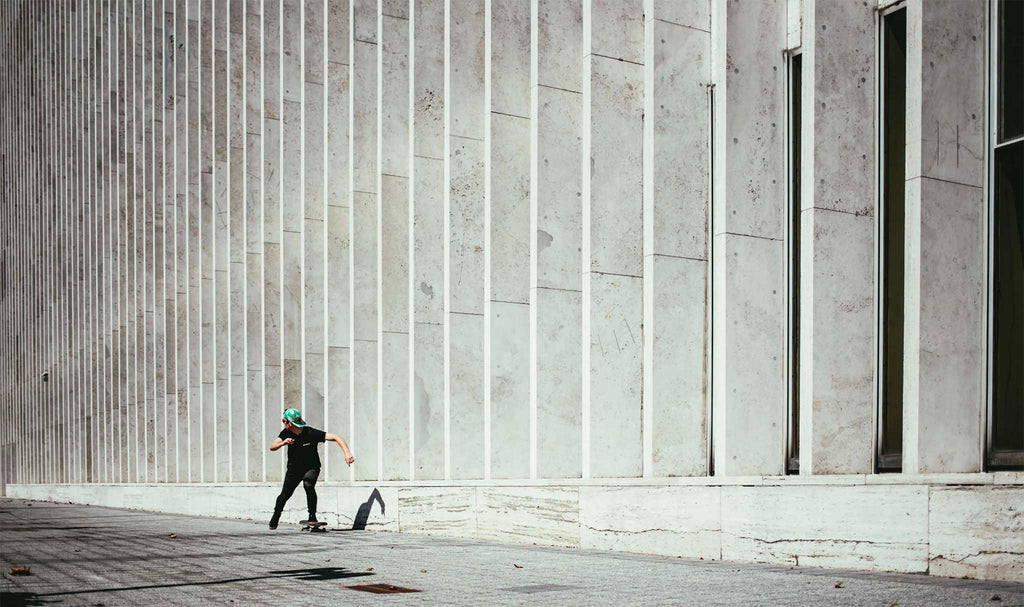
[[517, 566], [369, 568], [423, 570], [21, 570], [839, 584], [894, 604], [173, 535], [78, 549], [996, 597]]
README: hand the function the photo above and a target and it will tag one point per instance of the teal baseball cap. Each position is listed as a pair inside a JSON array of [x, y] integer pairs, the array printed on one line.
[[294, 417]]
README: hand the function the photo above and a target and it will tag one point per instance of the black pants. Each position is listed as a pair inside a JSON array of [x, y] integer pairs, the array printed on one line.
[[292, 478]]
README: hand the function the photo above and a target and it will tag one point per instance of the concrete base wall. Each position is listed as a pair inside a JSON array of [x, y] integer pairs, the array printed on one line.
[[950, 525]]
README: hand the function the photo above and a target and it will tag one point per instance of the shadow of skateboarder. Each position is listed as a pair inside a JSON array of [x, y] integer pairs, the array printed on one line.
[[363, 514]]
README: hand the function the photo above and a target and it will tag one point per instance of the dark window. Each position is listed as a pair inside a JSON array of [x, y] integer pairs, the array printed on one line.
[[1006, 434], [795, 132], [893, 133]]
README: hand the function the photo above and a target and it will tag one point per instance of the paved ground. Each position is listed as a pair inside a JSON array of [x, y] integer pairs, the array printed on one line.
[[83, 555]]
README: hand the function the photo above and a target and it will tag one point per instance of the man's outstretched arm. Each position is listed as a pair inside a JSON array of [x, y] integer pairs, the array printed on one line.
[[344, 447], [279, 442]]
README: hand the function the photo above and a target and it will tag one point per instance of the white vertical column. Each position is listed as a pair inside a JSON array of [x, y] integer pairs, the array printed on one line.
[[556, 99], [255, 413], [148, 309], [677, 71], [838, 243], [272, 319], [749, 409], [465, 115], [393, 237], [507, 246], [363, 132], [159, 261], [612, 256], [235, 288], [224, 107], [314, 211], [944, 348], [427, 221], [210, 449], [339, 207], [292, 207]]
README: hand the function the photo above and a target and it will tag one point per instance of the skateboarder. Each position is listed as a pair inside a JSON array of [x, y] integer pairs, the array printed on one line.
[[303, 460]]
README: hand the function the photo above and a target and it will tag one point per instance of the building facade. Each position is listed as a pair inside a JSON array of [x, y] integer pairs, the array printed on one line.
[[722, 279]]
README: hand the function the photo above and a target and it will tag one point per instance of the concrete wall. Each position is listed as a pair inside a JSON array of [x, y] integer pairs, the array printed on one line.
[[538, 242]]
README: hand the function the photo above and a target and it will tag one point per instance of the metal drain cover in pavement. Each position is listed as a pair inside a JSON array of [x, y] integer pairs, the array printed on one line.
[[381, 588], [538, 588]]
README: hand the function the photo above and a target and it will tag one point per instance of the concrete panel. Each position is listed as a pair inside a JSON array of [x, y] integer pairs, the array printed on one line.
[[557, 361], [466, 395], [509, 379], [976, 532], [509, 207], [529, 515], [749, 418], [676, 370], [466, 75], [556, 191], [676, 163], [694, 14], [337, 419], [338, 158], [338, 31], [314, 287], [466, 225], [394, 399], [946, 83], [364, 115], [944, 368], [559, 46], [291, 51], [313, 30], [613, 179], [428, 401], [255, 436], [314, 118], [291, 295], [394, 96], [876, 528], [614, 29], [338, 276], [510, 58], [428, 240], [274, 406], [394, 254], [613, 376], [448, 511], [671, 521], [837, 339], [290, 167], [271, 181], [428, 79], [364, 264], [364, 442], [314, 396], [364, 20], [293, 378], [755, 112]]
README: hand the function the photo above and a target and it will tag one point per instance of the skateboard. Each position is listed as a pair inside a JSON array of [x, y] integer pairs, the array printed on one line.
[[314, 527]]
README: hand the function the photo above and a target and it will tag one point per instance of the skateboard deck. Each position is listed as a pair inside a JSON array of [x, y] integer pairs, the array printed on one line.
[[314, 527]]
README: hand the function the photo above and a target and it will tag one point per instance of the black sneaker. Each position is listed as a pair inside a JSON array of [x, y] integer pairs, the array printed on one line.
[[274, 519], [312, 519]]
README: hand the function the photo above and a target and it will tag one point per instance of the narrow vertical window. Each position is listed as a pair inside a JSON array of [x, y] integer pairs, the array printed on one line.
[[893, 164], [795, 133], [1006, 418]]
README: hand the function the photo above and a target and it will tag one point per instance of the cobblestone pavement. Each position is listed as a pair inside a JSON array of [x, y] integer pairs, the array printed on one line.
[[86, 555]]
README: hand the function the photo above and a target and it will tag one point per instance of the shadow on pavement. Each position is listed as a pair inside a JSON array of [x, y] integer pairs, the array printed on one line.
[[20, 599], [315, 574]]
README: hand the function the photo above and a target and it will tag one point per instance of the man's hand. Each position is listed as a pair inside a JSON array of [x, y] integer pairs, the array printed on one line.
[[349, 459], [289, 441]]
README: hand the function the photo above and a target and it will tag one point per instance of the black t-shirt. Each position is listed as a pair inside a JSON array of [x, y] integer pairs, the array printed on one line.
[[303, 454]]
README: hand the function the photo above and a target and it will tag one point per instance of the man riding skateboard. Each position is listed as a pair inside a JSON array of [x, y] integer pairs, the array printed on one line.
[[303, 461]]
